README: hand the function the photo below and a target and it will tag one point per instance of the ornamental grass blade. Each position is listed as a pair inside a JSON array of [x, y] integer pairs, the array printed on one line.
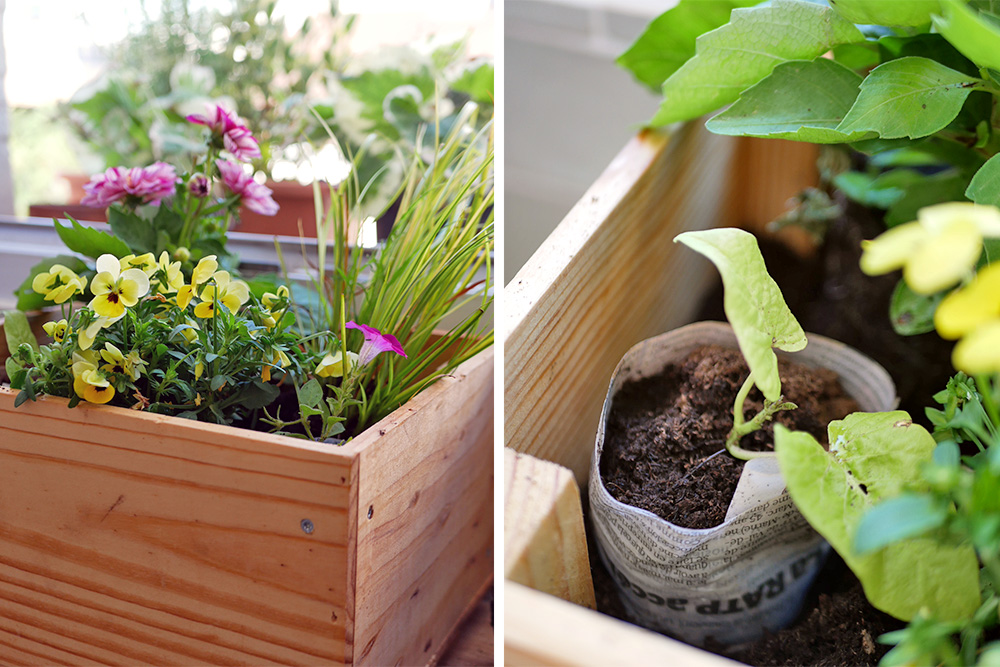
[[801, 100], [908, 97], [871, 458], [753, 302], [732, 58]]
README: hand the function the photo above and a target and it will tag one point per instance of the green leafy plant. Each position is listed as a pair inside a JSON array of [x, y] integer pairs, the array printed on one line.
[[760, 319]]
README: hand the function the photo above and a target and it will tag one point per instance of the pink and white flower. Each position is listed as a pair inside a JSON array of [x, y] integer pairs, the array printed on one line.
[[375, 343], [241, 143], [218, 120], [253, 195], [138, 185]]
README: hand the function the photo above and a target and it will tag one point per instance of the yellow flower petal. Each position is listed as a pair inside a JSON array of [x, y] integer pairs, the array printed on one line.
[[204, 310], [979, 352], [947, 258], [206, 267], [184, 295], [890, 250], [108, 305], [103, 283], [940, 216], [968, 307], [332, 364]]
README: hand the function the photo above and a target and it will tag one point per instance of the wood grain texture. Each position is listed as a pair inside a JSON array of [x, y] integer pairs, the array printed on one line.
[[540, 629], [608, 277], [131, 538], [425, 518], [545, 545]]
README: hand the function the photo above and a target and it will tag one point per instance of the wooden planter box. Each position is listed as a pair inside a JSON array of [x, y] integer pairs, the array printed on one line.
[[608, 277], [128, 538]]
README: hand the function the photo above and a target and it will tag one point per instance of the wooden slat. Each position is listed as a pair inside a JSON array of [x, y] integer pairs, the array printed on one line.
[[540, 629], [545, 545], [168, 541], [425, 518], [608, 277]]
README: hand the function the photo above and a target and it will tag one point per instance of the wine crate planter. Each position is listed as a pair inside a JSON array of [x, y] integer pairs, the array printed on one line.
[[128, 537], [608, 277]]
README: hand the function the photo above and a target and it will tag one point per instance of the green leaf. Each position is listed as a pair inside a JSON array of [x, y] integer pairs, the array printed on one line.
[[872, 458], [219, 381], [739, 54], [880, 191], [259, 394], [17, 330], [887, 12], [169, 221], [912, 314], [801, 100], [907, 515], [12, 367], [477, 83], [27, 298], [977, 38], [89, 241], [985, 185], [669, 40], [311, 393], [138, 234], [752, 301], [946, 186], [908, 97]]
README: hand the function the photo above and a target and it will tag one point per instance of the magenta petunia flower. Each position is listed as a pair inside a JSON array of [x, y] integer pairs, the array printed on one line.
[[254, 196], [375, 343], [138, 185], [241, 143], [218, 120]]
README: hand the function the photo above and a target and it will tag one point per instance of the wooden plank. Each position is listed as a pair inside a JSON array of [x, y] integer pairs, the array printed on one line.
[[608, 277], [182, 539], [545, 545], [425, 518], [541, 629]]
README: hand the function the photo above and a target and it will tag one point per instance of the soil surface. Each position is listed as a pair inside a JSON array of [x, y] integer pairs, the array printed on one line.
[[665, 433]]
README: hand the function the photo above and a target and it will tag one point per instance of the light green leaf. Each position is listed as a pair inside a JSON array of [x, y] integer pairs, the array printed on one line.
[[906, 515], [908, 97], [887, 12], [732, 58], [17, 330], [985, 185], [801, 100], [872, 458], [912, 314], [975, 37], [89, 241], [753, 302], [311, 393], [669, 40]]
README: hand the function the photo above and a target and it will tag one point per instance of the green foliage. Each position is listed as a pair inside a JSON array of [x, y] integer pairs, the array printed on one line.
[[89, 241], [879, 12], [739, 54], [872, 458], [669, 40], [984, 188], [912, 314]]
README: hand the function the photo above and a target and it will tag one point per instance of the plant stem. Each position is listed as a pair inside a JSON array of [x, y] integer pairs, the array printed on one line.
[[989, 402], [742, 427]]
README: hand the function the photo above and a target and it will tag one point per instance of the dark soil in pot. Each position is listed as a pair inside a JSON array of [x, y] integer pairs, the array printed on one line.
[[664, 445]]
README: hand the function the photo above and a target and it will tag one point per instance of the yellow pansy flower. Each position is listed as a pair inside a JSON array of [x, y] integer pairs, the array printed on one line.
[[230, 293], [270, 299], [202, 272], [171, 277], [88, 382], [127, 364], [58, 284], [115, 289], [332, 364], [937, 250], [58, 330], [279, 359], [87, 335], [145, 263], [979, 352]]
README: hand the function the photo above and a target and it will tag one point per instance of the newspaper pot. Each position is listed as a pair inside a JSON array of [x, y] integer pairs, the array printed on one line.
[[128, 537], [750, 573]]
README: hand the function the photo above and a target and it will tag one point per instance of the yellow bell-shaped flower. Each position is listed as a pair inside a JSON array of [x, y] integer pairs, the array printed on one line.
[[58, 330], [58, 284], [332, 365]]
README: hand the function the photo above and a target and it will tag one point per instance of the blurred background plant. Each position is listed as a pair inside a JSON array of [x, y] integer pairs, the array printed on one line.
[[271, 64]]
